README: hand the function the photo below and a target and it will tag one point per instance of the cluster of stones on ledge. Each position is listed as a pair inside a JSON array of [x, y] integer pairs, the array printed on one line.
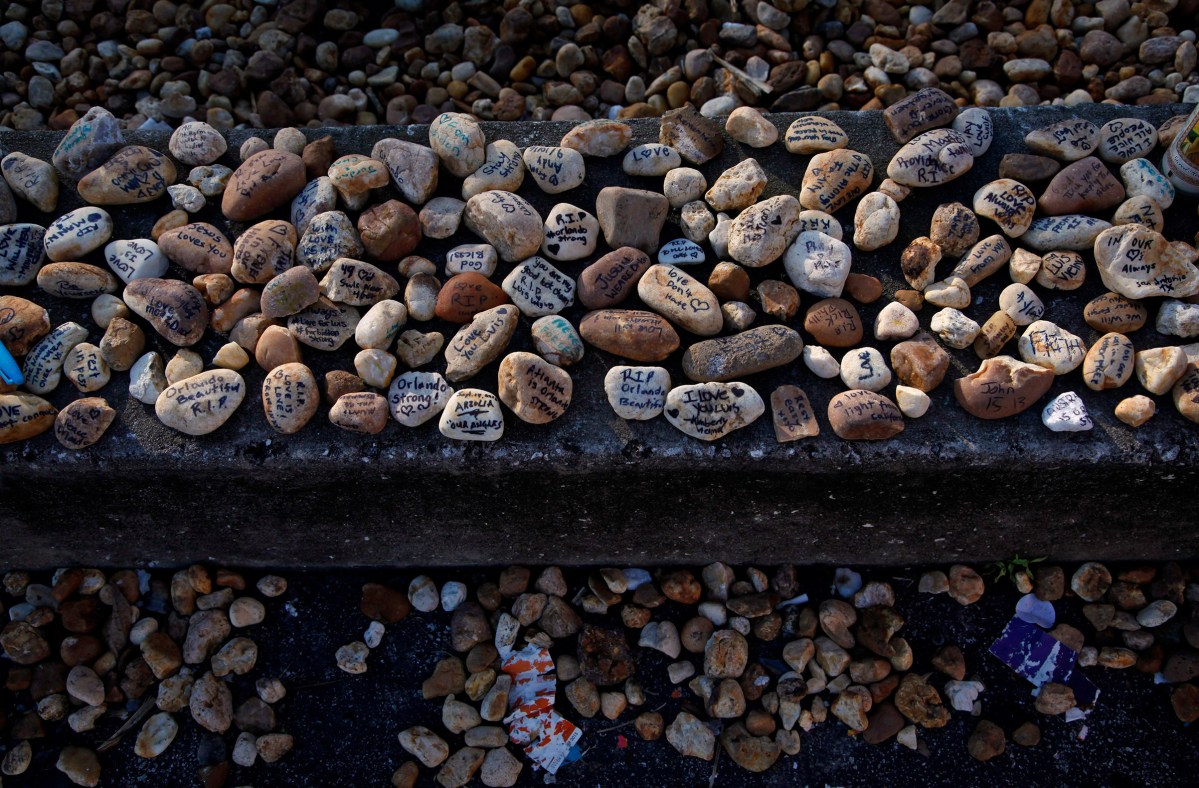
[[939, 144], [277, 64], [96, 651], [755, 663]]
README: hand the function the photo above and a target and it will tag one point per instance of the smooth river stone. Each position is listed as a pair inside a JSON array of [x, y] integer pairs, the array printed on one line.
[[458, 141], [975, 125], [471, 259], [629, 333], [380, 325], [77, 233], [681, 298], [710, 411], [1109, 363], [1124, 139], [175, 309], [861, 415], [1066, 413], [818, 263], [875, 222], [556, 340], [834, 179], [631, 217], [813, 134], [1062, 271], [1072, 232], [1021, 304], [196, 143], [363, 412], [316, 198], [91, 141], [507, 222], [480, 342], [1140, 210], [75, 280], [696, 138], [1142, 179], [997, 331], [136, 259], [923, 110], [651, 160], [502, 170], [82, 423], [330, 235], [895, 321], [1137, 262], [265, 181], [637, 393], [1086, 186], [289, 397], [24, 416], [1008, 203], [834, 322], [681, 251], [984, 258], [22, 250], [357, 283], [198, 247], [1002, 387], [263, 251], [355, 174], [933, 158], [413, 168], [571, 233], [1049, 345], [864, 368], [389, 231], [22, 323], [1069, 140], [748, 126], [793, 415], [31, 179], [739, 355], [324, 325], [465, 295], [202, 403], [135, 174], [472, 415], [1027, 167], [85, 368], [598, 137], [1114, 312], [612, 278], [416, 397], [43, 363], [539, 289], [761, 232], [534, 389]]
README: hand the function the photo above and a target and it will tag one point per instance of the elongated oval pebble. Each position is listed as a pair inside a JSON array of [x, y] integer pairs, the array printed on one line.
[[43, 363], [864, 415], [1068, 140], [174, 308], [1123, 139], [651, 159], [554, 169], [135, 174], [681, 298], [975, 125], [630, 333], [598, 137], [538, 288], [1008, 203], [834, 178], [363, 412], [136, 259], [202, 403], [289, 397], [502, 170], [933, 158], [76, 280], [90, 142], [198, 247], [77, 233], [31, 179], [507, 222], [265, 181], [480, 342], [1109, 363], [612, 278], [813, 134]]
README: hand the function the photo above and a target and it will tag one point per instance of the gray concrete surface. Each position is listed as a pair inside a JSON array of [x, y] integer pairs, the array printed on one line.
[[592, 488]]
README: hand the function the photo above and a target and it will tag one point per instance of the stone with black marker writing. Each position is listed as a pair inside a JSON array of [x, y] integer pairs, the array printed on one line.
[[710, 411], [416, 397], [472, 415], [202, 403], [637, 393]]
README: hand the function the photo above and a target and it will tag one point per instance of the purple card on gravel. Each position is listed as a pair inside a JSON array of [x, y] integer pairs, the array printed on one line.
[[1039, 657]]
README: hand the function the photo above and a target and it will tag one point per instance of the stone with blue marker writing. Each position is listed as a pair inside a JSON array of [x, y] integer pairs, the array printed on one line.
[[680, 251], [22, 252], [557, 340], [91, 141], [458, 141], [651, 159]]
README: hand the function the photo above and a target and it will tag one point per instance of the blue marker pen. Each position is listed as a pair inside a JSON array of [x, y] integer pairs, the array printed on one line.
[[10, 371]]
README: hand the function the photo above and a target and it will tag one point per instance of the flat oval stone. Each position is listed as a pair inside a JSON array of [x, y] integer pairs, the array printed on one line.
[[1141, 178], [136, 259], [135, 174], [1069, 140], [85, 368], [630, 333], [612, 278], [975, 125], [416, 397], [696, 138], [835, 178], [1002, 387], [324, 325], [196, 143], [330, 235], [813, 134], [413, 168], [739, 355], [1008, 203], [24, 416], [1086, 186], [43, 363], [1137, 262], [357, 283], [1021, 304], [289, 397], [651, 160], [75, 280], [364, 412], [471, 259], [389, 231], [637, 393], [465, 295], [954, 228], [933, 158], [818, 263], [480, 342], [556, 340], [984, 259], [201, 404], [631, 217], [1109, 363], [91, 141], [1073, 232], [175, 309], [709, 411], [22, 250], [502, 170], [864, 368], [458, 141], [538, 289], [862, 415], [1123, 139], [263, 251], [834, 322], [738, 187], [923, 110], [1049, 345], [267, 180], [1062, 271], [507, 222], [875, 222], [681, 298], [316, 198], [680, 251], [534, 389], [472, 415], [570, 233], [761, 232], [598, 137], [355, 174], [31, 179], [77, 233], [82, 423], [22, 324], [1114, 312], [199, 248]]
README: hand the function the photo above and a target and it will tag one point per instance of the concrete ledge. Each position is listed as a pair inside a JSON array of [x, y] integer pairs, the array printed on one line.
[[593, 489]]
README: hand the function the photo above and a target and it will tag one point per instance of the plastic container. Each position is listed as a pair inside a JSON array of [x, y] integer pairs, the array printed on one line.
[[1180, 162]]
